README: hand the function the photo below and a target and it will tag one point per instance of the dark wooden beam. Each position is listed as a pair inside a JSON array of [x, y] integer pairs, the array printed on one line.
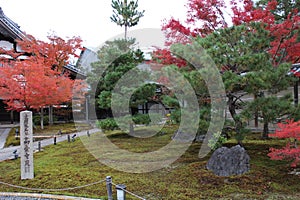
[[296, 93]]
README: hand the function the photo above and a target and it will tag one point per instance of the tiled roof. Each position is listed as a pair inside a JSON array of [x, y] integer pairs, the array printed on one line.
[[74, 69], [295, 69], [11, 28]]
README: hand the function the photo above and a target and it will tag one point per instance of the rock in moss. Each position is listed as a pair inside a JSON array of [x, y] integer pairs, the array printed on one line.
[[229, 161]]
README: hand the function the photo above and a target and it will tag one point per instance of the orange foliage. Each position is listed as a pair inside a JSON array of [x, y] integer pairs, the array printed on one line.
[[39, 80], [291, 151]]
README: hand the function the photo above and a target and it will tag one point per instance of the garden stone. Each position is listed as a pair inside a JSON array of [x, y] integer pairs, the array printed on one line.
[[229, 161]]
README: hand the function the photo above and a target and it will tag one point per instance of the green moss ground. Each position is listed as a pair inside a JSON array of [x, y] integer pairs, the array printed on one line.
[[70, 164]]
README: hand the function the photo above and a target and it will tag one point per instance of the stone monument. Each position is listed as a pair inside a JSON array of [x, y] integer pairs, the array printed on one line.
[[26, 141]]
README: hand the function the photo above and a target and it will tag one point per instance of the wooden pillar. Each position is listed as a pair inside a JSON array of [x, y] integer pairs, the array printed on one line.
[[50, 115], [12, 117], [296, 93]]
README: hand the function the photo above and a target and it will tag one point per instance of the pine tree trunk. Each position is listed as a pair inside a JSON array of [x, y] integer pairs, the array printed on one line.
[[232, 110], [126, 25], [131, 129], [255, 114], [266, 130], [126, 32]]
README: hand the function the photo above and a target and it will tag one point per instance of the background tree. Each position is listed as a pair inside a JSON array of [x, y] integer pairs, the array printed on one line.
[[116, 58], [126, 14]]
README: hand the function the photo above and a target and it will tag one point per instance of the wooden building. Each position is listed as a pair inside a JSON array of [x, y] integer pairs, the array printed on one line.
[[9, 33]]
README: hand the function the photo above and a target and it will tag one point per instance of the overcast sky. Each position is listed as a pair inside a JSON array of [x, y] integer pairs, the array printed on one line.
[[89, 19]]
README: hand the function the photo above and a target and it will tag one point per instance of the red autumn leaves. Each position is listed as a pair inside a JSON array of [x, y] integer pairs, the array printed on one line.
[[38, 79]]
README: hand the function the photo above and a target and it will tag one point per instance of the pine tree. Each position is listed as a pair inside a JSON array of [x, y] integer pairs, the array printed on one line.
[[126, 14]]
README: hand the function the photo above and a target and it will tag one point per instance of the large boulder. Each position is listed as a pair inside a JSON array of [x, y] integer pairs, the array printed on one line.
[[229, 161]]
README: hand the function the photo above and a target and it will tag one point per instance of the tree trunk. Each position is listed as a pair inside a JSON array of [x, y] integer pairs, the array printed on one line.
[[255, 114], [126, 19], [126, 32], [237, 121], [266, 129], [231, 106], [296, 93], [50, 115], [131, 129], [42, 118]]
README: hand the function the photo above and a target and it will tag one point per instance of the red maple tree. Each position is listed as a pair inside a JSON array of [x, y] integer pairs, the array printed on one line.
[[291, 152], [284, 46], [38, 80], [207, 16]]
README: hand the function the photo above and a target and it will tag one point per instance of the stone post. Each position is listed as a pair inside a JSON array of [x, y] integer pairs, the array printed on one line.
[[109, 187], [26, 140], [121, 194]]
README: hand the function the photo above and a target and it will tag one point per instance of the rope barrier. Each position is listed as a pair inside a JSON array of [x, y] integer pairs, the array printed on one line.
[[51, 190], [70, 188], [135, 195]]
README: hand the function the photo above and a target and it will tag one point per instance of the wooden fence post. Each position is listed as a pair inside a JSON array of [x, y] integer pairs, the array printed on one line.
[[39, 146], [54, 140]]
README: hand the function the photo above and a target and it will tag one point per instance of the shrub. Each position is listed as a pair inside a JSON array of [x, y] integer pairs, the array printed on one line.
[[203, 127], [107, 124], [37, 120], [175, 116], [141, 119], [216, 141], [291, 152]]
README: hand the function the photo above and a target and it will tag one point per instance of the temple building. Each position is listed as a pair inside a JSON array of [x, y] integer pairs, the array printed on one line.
[[9, 34]]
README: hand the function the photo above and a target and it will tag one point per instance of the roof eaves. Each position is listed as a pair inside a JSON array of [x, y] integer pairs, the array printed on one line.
[[11, 26]]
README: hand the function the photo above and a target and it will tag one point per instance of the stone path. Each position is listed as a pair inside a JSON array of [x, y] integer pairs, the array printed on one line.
[[7, 153], [3, 135], [32, 196]]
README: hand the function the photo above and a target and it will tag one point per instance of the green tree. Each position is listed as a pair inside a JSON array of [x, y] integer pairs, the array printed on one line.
[[252, 54], [269, 109], [126, 14], [239, 52], [116, 73]]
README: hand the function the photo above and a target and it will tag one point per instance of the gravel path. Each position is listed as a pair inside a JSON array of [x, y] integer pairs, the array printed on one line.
[[21, 198], [33, 196], [7, 153], [3, 135]]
